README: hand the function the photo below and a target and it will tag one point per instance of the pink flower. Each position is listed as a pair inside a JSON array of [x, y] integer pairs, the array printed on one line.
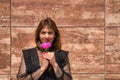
[[45, 45]]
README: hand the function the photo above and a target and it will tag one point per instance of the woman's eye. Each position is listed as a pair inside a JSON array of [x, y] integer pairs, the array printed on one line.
[[42, 32], [50, 32]]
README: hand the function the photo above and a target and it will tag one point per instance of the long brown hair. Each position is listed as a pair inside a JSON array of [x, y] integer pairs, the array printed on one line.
[[56, 44]]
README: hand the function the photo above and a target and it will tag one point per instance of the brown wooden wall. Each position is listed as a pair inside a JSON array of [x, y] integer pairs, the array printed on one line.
[[90, 31]]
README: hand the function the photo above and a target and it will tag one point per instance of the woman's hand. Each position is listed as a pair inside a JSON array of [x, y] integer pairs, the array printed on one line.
[[44, 63], [50, 57]]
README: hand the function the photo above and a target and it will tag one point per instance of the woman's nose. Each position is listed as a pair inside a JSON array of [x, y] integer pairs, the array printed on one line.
[[46, 35]]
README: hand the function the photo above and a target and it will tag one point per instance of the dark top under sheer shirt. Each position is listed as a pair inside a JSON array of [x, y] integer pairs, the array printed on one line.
[[32, 64]]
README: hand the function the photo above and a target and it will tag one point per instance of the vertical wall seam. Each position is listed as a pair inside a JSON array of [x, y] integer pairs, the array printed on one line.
[[104, 40], [10, 43]]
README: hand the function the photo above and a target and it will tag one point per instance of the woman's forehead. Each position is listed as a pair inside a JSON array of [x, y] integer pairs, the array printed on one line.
[[47, 28]]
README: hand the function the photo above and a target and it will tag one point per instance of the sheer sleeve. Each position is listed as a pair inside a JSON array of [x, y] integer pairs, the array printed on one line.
[[23, 75], [66, 72], [22, 70], [64, 65], [29, 68]]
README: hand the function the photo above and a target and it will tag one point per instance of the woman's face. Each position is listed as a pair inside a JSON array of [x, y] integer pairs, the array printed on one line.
[[47, 35]]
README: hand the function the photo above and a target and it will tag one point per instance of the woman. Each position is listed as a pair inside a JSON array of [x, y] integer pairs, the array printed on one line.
[[45, 64]]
